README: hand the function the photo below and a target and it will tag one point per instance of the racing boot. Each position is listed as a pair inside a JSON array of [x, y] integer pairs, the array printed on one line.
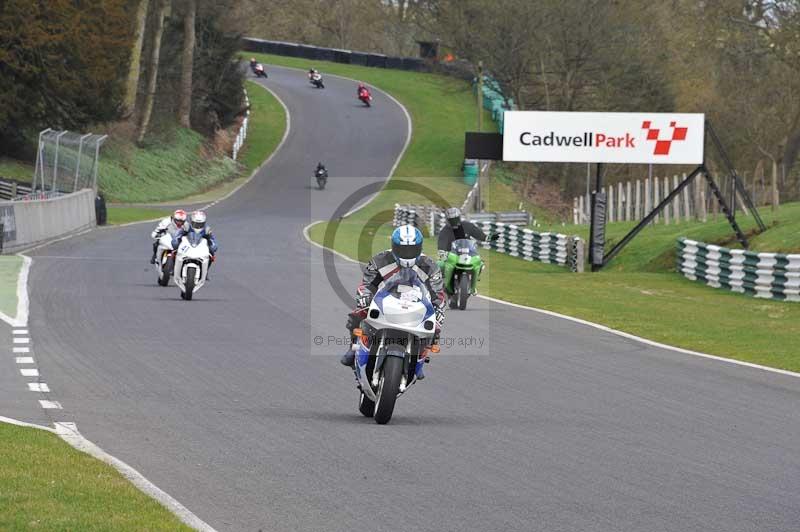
[[155, 250], [349, 358]]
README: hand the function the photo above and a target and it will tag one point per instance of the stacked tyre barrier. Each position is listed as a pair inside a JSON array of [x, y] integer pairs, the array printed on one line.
[[494, 101], [551, 248], [421, 216], [764, 275]]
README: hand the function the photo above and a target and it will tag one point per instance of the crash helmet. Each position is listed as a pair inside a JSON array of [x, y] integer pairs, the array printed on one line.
[[179, 218], [453, 215], [198, 220], [252, 59], [406, 245], [361, 86]]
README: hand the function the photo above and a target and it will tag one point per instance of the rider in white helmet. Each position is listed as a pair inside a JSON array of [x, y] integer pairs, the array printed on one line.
[[197, 224], [170, 224]]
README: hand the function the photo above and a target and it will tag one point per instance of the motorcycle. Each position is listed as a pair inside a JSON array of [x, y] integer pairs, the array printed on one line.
[[165, 260], [461, 269], [391, 343], [366, 98], [192, 260], [322, 178], [316, 80], [259, 71]]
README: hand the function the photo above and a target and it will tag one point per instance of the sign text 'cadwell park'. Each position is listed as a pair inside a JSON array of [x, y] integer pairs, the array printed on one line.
[[643, 138]]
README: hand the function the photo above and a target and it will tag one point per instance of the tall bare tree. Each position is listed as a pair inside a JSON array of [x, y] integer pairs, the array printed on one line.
[[162, 9], [132, 85], [187, 62]]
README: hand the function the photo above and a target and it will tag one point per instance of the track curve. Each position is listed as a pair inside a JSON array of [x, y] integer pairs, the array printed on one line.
[[221, 403]]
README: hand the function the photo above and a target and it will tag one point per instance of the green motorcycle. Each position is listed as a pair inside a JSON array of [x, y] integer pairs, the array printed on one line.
[[461, 270]]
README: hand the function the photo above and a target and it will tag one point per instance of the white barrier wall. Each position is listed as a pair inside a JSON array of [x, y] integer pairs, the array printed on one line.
[[26, 223]]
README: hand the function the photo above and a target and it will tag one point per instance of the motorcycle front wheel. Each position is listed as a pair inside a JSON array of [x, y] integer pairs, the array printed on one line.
[[464, 284], [190, 273], [388, 388]]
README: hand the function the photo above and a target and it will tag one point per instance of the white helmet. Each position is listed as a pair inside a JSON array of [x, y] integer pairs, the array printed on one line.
[[198, 220]]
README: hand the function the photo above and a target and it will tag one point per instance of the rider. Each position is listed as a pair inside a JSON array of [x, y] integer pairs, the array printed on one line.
[[197, 224], [253, 64], [362, 90], [170, 224], [406, 252], [311, 72], [321, 170], [457, 229]]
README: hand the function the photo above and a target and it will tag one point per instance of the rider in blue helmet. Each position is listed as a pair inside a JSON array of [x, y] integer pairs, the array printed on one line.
[[406, 252]]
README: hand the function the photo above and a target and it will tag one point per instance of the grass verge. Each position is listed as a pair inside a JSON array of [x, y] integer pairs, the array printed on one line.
[[18, 170], [118, 215], [639, 293], [10, 266], [47, 485]]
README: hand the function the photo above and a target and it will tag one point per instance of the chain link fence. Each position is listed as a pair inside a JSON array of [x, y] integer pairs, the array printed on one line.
[[66, 162]]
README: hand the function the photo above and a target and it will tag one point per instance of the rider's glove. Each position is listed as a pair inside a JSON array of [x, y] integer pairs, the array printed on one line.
[[353, 322], [442, 254]]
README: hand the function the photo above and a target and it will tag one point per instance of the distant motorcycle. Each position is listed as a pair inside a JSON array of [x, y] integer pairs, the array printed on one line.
[[316, 80], [165, 260], [322, 177], [365, 97], [259, 71], [192, 260]]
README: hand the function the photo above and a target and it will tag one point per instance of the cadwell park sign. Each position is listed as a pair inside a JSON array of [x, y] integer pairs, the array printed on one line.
[[637, 138]]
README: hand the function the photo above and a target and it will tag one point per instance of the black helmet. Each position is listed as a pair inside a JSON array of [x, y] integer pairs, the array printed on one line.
[[453, 216]]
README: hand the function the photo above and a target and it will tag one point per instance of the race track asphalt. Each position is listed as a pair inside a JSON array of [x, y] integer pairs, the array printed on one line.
[[227, 403]]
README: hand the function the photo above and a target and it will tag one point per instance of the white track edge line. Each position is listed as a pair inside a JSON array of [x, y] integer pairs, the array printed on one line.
[[598, 326], [651, 343], [69, 433], [19, 423]]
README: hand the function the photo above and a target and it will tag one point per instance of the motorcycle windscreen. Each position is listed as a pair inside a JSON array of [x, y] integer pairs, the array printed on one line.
[[404, 299], [194, 238], [464, 246]]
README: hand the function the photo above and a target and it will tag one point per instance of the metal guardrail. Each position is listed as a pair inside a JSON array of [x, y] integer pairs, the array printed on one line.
[[552, 248], [513, 240], [764, 275], [11, 189]]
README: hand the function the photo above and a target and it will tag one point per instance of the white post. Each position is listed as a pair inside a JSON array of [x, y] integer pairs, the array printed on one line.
[[581, 210], [638, 205], [620, 199], [648, 187], [575, 211], [687, 214], [702, 208], [611, 203], [656, 195], [667, 206], [628, 201], [676, 203]]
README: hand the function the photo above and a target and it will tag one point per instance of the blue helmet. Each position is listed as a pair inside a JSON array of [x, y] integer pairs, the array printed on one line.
[[406, 245]]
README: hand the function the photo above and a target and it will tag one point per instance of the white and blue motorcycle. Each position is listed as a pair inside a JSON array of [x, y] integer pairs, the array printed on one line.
[[191, 264], [391, 342]]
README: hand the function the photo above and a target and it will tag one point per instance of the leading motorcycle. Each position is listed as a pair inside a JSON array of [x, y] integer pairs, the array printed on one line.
[[316, 80], [192, 260], [321, 176], [391, 343]]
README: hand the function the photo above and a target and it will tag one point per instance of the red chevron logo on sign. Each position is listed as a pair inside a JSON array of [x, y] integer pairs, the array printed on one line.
[[664, 145]]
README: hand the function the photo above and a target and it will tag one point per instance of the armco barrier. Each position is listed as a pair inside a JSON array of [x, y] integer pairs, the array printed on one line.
[[27, 223], [765, 275], [513, 240], [552, 248], [461, 70]]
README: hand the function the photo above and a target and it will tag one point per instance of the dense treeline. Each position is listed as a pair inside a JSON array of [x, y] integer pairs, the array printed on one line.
[[150, 64], [738, 61]]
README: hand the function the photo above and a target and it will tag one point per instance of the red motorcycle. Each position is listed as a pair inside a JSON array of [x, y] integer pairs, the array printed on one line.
[[365, 97]]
